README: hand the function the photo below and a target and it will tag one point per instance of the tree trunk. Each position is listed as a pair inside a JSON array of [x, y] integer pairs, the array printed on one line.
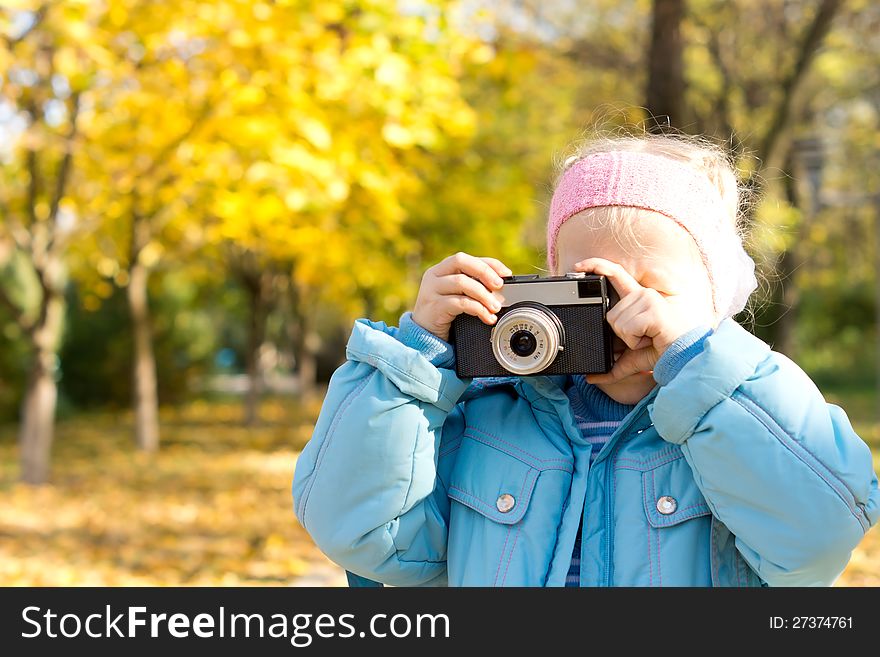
[[144, 384], [664, 97], [43, 246], [788, 294], [38, 407], [306, 342], [259, 290], [307, 372], [772, 148], [789, 298], [802, 163]]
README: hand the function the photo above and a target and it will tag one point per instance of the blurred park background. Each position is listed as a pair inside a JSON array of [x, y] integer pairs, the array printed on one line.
[[198, 197]]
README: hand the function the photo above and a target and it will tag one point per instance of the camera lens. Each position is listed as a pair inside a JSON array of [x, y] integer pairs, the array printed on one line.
[[523, 343], [527, 339]]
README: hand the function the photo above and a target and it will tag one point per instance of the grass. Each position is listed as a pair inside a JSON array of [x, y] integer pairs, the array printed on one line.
[[213, 507]]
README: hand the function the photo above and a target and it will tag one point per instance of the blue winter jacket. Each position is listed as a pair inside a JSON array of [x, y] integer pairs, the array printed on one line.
[[734, 473]]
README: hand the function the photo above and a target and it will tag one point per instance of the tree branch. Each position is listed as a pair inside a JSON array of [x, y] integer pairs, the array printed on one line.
[[171, 146], [722, 103], [146, 217], [33, 191], [63, 173], [64, 166], [769, 149]]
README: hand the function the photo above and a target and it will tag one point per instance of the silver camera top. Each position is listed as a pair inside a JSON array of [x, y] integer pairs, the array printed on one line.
[[573, 288]]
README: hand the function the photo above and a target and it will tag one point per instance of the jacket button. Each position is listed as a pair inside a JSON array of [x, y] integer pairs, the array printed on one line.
[[666, 505], [505, 502]]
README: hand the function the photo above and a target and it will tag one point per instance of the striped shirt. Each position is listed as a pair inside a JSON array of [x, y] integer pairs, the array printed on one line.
[[597, 416]]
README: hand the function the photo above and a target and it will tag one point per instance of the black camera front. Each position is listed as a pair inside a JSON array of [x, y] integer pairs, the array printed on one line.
[[551, 325]]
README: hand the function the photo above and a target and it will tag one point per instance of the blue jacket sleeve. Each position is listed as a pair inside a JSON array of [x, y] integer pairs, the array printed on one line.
[[366, 486], [783, 469]]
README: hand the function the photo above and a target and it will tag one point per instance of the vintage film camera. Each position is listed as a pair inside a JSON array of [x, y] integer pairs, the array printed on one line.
[[549, 325]]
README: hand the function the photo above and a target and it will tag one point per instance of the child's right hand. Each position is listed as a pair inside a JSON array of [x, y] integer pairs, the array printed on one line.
[[461, 283]]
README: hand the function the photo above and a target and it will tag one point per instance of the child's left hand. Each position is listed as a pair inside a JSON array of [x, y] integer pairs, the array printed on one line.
[[646, 320]]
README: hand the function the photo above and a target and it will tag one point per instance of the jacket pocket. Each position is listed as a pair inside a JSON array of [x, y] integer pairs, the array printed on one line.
[[671, 495], [492, 483], [494, 538], [679, 526]]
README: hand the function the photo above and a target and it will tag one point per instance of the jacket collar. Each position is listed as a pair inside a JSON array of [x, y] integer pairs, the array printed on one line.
[[547, 393], [533, 388], [542, 391]]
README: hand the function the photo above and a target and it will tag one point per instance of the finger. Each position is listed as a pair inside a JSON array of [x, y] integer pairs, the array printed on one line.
[[463, 284], [454, 305], [630, 304], [628, 326], [500, 268], [629, 340], [620, 278], [637, 323], [630, 362], [642, 322], [635, 338], [464, 263], [644, 342]]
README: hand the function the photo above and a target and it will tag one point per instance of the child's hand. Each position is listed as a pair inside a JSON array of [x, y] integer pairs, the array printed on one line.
[[646, 320], [461, 283]]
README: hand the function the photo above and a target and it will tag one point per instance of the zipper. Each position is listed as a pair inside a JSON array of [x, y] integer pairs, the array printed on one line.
[[609, 526], [603, 455], [606, 454], [633, 416]]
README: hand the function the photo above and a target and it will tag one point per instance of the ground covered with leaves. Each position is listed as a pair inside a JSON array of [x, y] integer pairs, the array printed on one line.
[[213, 507]]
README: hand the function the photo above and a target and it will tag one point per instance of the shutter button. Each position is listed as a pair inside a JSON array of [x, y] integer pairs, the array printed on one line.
[[505, 502], [666, 505]]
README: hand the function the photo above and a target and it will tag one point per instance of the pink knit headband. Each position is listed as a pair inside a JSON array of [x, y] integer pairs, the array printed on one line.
[[672, 188]]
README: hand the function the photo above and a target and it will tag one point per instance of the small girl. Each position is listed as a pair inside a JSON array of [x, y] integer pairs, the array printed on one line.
[[702, 458]]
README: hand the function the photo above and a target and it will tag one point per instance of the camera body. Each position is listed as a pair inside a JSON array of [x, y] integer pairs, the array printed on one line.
[[547, 325]]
